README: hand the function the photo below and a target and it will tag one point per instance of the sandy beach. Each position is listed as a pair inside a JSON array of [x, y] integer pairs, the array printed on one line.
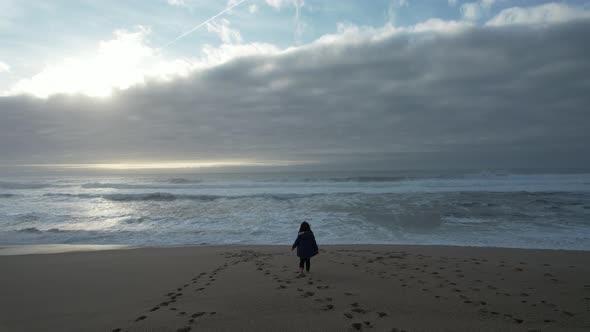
[[256, 288]]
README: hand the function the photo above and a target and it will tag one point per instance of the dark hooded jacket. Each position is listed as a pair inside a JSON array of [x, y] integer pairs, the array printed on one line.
[[306, 245]]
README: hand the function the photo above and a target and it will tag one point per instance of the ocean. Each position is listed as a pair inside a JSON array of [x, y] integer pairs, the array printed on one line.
[[501, 209]]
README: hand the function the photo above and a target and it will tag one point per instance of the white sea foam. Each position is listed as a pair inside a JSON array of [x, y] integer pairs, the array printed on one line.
[[491, 209]]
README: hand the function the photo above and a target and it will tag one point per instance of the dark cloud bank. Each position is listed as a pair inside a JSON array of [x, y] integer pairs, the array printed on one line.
[[486, 97]]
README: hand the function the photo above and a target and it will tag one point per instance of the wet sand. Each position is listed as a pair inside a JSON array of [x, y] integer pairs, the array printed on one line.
[[256, 288]]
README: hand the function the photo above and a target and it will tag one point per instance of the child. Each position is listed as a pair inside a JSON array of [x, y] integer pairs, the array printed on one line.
[[306, 246]]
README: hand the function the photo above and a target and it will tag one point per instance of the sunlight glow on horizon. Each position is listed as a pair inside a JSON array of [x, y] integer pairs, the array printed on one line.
[[168, 165]]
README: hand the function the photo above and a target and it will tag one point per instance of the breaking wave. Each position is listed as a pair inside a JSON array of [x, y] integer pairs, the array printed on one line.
[[34, 230], [164, 196], [359, 179], [527, 211], [67, 195], [181, 181], [23, 185], [135, 186]]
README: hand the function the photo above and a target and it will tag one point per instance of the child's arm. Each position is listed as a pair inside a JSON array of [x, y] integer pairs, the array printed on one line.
[[296, 243]]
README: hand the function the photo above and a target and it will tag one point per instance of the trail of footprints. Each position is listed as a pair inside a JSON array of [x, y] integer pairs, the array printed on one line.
[[466, 291], [407, 274], [172, 298], [309, 288]]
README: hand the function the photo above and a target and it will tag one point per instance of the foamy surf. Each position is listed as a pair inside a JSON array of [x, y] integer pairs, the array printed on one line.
[[482, 209]]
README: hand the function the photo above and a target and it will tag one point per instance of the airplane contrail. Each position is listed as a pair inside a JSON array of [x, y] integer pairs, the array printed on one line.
[[205, 22]]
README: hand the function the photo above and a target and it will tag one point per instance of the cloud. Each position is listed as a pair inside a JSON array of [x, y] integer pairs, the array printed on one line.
[[127, 60], [543, 14], [402, 97], [252, 8], [392, 9], [298, 5], [216, 55], [473, 11], [179, 3], [299, 25], [118, 63], [4, 67], [221, 28], [452, 2], [230, 5], [278, 4]]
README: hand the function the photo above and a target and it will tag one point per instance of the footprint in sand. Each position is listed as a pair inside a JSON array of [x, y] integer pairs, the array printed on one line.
[[328, 307], [356, 326], [140, 318], [308, 294], [198, 314]]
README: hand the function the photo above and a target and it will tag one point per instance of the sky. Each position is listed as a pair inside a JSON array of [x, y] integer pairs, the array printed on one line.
[[360, 84]]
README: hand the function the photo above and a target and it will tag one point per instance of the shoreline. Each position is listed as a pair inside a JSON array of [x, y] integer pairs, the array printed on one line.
[[244, 288], [55, 248], [60, 248]]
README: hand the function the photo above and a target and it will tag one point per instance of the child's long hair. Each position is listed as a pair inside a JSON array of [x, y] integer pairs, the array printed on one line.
[[304, 227]]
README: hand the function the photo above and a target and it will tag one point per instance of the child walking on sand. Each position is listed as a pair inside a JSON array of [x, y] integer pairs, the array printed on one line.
[[306, 246]]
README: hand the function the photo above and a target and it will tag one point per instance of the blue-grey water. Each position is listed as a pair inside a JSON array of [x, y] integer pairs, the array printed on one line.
[[504, 209]]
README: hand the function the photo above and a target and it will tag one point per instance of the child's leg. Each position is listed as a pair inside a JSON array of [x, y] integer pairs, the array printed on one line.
[[307, 263], [301, 262]]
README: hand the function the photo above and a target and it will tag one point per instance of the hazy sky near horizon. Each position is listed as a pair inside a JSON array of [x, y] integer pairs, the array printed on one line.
[[495, 83]]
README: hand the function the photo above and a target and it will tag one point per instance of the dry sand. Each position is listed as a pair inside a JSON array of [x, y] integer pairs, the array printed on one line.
[[366, 288]]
